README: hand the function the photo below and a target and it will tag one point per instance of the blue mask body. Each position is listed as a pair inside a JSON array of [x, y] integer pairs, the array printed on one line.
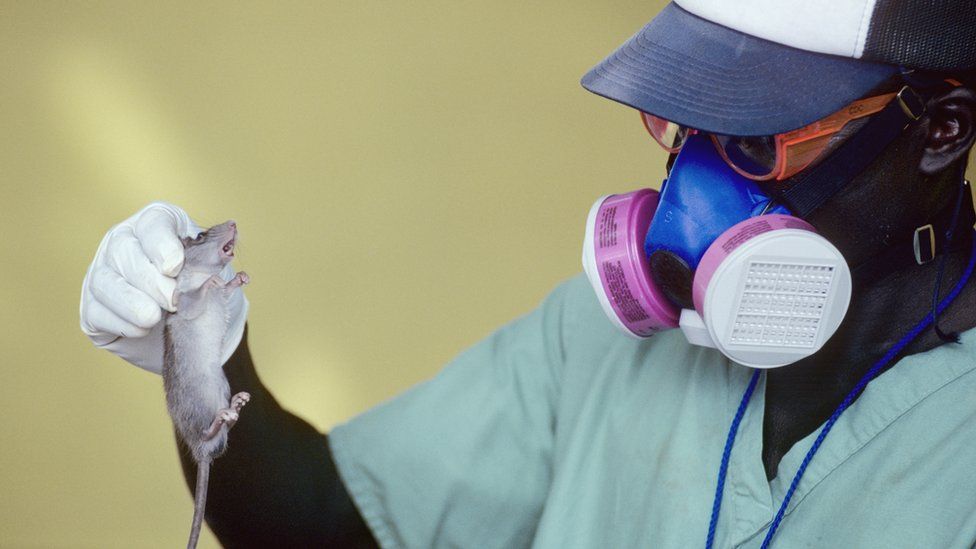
[[701, 198]]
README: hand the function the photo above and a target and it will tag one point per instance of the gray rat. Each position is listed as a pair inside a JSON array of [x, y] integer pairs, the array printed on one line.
[[197, 392]]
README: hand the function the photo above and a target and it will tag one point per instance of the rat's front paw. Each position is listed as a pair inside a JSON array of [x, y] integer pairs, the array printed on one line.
[[240, 279]]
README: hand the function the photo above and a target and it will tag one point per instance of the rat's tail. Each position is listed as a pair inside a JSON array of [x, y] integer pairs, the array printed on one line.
[[199, 502]]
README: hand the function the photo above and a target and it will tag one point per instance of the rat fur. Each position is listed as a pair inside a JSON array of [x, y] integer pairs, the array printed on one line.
[[197, 392]]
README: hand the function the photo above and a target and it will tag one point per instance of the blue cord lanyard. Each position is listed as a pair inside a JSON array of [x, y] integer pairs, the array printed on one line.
[[888, 357]]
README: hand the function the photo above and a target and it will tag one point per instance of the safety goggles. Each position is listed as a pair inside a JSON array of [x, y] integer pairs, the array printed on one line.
[[778, 156]]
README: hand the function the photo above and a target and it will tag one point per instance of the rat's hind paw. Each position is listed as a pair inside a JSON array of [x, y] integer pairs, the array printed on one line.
[[228, 416], [239, 400], [225, 416]]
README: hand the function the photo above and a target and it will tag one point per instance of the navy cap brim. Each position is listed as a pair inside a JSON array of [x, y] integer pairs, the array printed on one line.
[[700, 74]]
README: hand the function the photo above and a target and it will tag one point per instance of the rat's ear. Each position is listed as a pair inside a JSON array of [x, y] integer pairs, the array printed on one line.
[[952, 116]]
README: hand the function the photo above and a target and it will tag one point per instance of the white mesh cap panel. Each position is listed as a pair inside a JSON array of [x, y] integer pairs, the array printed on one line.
[[782, 304]]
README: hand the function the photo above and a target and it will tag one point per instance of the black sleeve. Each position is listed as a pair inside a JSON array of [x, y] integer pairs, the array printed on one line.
[[277, 485]]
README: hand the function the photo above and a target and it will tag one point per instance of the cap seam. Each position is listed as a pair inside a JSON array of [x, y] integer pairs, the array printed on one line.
[[624, 65], [630, 68], [628, 61], [716, 110], [712, 109]]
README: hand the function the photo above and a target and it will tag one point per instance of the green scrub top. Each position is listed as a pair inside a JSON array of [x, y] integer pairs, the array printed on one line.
[[557, 431]]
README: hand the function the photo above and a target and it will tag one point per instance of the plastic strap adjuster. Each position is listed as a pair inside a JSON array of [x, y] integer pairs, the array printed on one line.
[[924, 244], [911, 103]]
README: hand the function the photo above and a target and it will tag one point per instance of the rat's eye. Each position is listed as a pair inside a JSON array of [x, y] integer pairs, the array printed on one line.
[[200, 236]]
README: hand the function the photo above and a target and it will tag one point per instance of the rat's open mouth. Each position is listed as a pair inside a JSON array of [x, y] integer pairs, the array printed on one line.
[[230, 233]]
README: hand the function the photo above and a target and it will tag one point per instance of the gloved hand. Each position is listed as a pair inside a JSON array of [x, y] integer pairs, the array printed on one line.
[[132, 279]]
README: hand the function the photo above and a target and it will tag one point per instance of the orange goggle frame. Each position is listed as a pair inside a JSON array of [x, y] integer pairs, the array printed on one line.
[[794, 150]]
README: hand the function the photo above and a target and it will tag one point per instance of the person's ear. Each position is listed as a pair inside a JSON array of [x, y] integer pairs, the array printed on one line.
[[951, 129]]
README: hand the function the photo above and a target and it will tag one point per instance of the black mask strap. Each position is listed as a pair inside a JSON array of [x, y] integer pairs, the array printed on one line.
[[809, 189], [925, 244]]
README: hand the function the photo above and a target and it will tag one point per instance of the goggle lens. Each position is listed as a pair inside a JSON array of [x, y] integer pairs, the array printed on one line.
[[669, 135], [754, 157]]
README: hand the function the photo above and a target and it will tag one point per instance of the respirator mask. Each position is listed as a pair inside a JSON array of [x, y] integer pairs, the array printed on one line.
[[713, 255], [736, 267]]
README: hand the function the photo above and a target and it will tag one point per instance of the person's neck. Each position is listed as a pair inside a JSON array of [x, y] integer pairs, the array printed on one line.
[[801, 396]]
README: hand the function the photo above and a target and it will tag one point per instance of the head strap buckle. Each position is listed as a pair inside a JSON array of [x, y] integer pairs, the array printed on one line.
[[911, 103], [924, 244]]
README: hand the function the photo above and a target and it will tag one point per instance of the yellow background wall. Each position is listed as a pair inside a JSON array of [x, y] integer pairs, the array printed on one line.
[[407, 176]]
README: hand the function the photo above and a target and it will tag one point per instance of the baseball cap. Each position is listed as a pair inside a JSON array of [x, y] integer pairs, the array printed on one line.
[[759, 67]]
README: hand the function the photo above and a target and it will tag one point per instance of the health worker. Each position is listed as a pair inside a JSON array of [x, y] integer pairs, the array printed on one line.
[[775, 348]]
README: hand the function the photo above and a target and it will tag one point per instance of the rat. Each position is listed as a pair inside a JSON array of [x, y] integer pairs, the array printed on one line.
[[197, 392]]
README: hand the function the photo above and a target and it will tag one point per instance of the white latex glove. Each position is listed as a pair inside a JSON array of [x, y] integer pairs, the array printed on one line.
[[132, 279]]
